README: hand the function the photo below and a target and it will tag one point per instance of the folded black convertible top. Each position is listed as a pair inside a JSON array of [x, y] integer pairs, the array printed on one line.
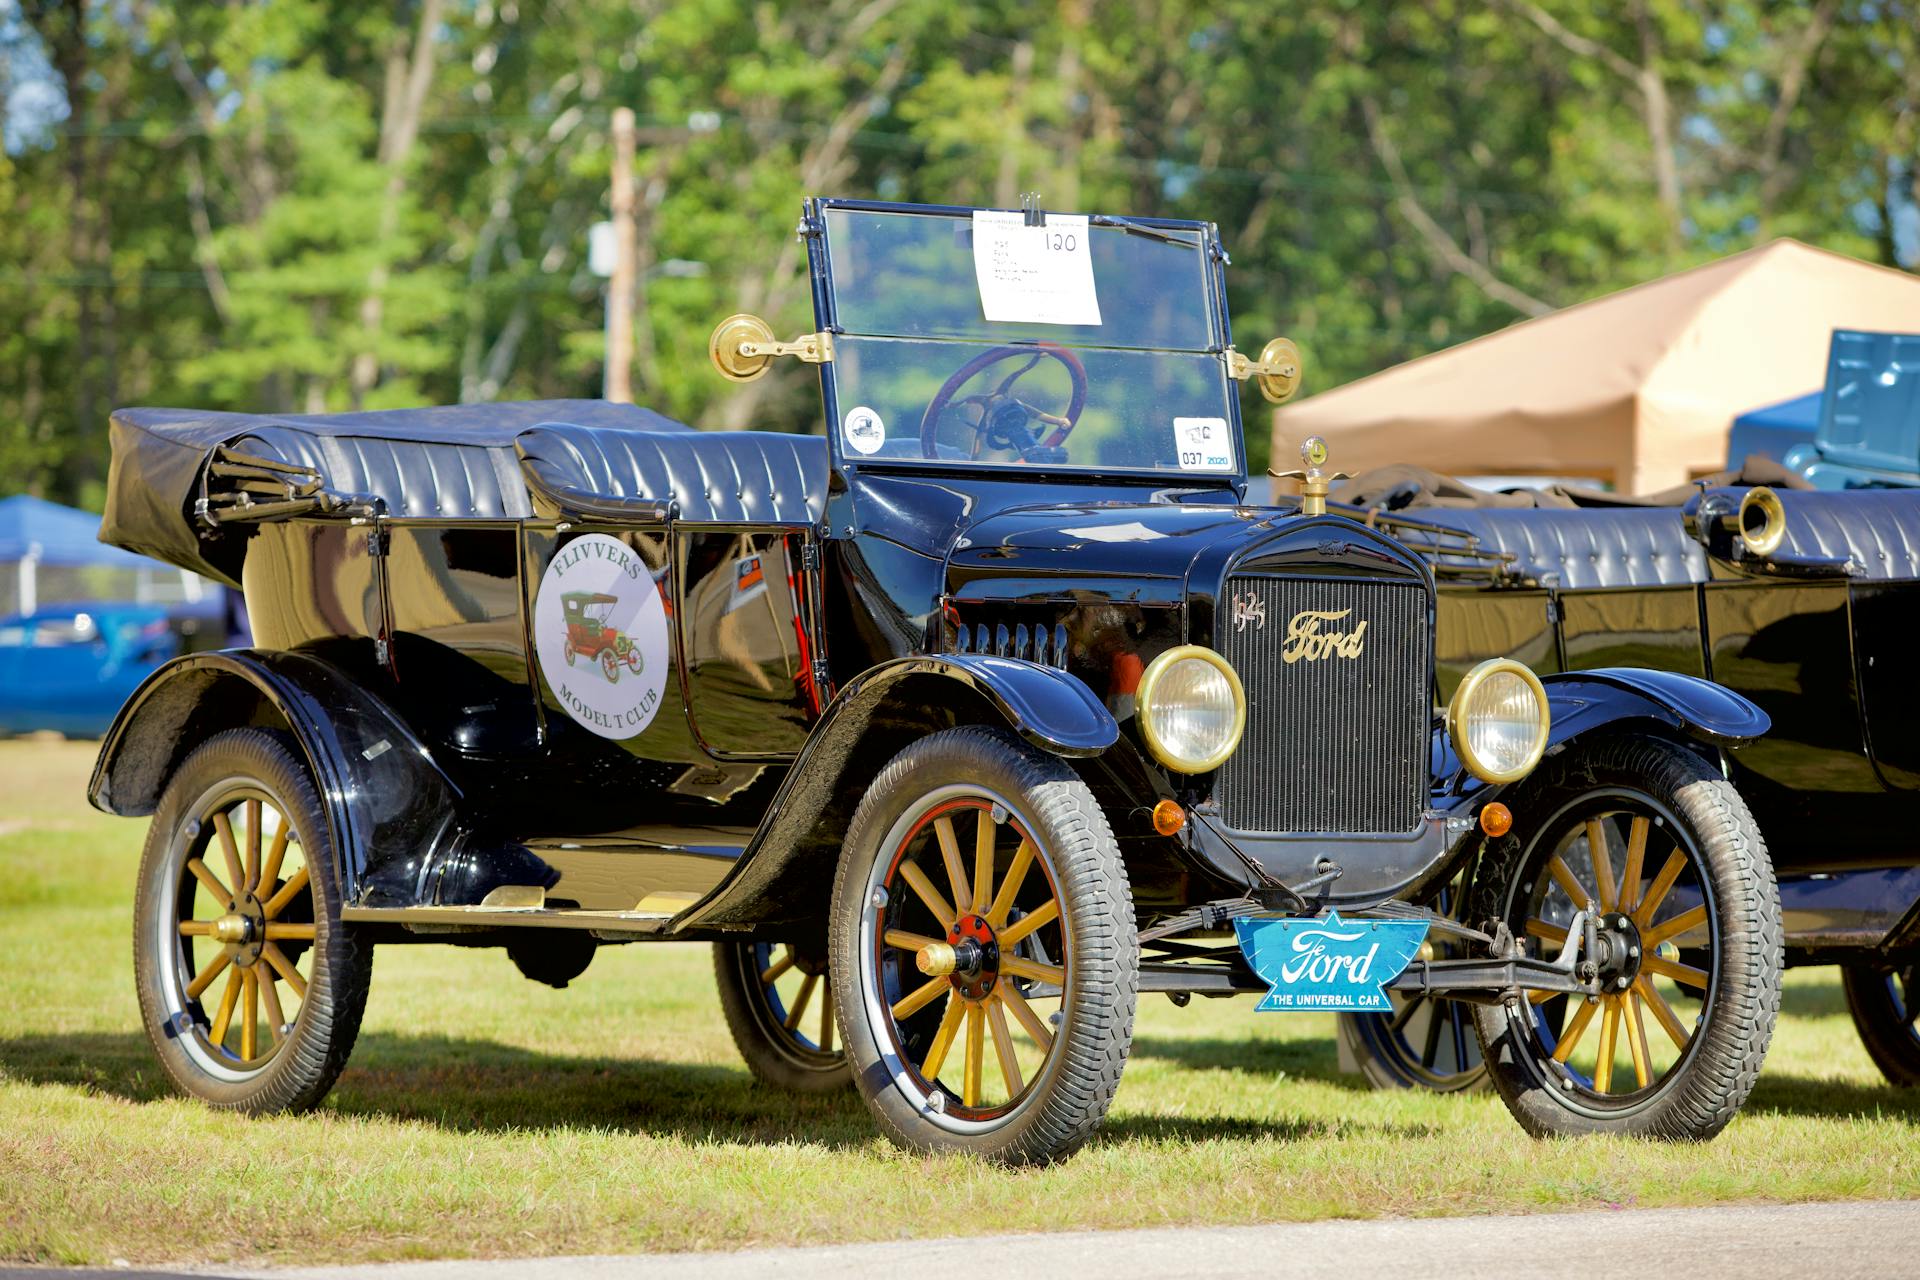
[[160, 460]]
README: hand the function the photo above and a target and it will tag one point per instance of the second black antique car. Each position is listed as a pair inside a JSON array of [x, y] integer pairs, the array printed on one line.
[[954, 730]]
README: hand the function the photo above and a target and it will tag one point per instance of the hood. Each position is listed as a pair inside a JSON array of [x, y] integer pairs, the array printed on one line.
[[1157, 553]]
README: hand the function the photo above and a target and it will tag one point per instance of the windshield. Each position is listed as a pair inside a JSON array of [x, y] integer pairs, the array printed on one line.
[[970, 338]]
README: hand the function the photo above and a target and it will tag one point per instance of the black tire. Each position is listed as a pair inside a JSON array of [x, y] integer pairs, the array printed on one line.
[[1425, 1043], [255, 774], [1714, 929], [763, 987], [1070, 900], [1885, 1004]]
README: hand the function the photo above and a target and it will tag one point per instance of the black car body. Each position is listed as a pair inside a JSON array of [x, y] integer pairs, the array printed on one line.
[[1797, 600], [825, 614]]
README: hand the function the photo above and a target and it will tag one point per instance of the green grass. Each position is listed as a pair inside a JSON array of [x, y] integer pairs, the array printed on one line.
[[484, 1115]]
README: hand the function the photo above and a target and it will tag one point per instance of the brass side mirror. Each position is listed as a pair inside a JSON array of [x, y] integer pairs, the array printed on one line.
[[1762, 521], [742, 346], [1276, 372]]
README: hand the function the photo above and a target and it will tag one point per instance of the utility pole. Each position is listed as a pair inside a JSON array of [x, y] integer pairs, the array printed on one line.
[[619, 374]]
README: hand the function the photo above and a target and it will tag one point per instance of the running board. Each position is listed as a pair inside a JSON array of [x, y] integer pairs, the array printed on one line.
[[525, 910]]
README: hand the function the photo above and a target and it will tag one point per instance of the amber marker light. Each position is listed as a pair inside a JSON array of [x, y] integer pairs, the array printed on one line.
[[1496, 819], [1169, 817]]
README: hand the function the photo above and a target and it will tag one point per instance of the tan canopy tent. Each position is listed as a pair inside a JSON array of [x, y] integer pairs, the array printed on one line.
[[1636, 389]]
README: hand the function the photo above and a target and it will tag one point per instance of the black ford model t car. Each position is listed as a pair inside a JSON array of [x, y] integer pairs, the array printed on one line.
[[954, 730]]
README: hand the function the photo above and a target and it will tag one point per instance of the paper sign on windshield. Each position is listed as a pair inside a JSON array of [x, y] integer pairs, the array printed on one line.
[[1034, 275], [1203, 444]]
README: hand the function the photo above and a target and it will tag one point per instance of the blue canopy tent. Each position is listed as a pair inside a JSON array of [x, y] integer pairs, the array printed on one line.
[[1773, 429], [36, 534]]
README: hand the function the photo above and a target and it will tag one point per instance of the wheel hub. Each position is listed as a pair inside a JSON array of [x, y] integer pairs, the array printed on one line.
[[1620, 951], [969, 958]]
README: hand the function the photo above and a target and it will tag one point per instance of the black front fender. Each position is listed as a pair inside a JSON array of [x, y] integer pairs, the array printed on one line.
[[1581, 701], [1049, 708], [379, 788]]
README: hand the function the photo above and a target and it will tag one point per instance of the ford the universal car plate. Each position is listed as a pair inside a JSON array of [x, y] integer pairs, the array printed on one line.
[[1329, 963]]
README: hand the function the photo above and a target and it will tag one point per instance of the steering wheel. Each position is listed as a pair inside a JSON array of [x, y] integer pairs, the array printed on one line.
[[1007, 422]]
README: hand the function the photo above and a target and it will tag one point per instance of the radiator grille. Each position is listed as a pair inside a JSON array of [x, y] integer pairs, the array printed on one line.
[[1334, 743]]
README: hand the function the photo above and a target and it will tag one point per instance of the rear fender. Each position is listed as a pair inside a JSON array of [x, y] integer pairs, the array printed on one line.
[[387, 803], [787, 870]]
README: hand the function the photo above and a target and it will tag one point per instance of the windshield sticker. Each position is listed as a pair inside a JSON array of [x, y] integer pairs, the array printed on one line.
[[1203, 444], [600, 631], [863, 430], [1034, 275]]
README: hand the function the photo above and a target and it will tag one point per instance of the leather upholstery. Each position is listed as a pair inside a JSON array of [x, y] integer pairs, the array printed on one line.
[[737, 477], [1584, 548], [1878, 529], [416, 478]]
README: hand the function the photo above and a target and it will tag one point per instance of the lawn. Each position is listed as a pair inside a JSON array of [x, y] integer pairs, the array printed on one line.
[[484, 1115]]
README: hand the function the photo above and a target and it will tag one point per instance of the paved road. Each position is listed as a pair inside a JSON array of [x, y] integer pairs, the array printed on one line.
[[1823, 1241]]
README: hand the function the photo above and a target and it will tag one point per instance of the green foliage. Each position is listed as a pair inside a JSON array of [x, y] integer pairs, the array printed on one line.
[[231, 214]]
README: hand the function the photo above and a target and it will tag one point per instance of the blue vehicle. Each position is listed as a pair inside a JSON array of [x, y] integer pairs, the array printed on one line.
[[69, 667], [1862, 431]]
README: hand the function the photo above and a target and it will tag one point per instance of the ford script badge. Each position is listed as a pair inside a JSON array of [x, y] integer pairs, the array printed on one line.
[[1329, 963]]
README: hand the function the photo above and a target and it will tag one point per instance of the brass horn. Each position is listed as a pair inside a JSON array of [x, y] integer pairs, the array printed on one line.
[[1762, 521]]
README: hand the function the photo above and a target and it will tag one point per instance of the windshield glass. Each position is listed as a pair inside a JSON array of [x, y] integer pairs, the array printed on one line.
[[970, 338]]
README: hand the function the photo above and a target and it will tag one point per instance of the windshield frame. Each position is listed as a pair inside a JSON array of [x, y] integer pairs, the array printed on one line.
[[813, 231]]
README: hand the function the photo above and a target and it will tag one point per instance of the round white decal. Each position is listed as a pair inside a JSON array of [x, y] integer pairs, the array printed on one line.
[[600, 631], [864, 431]]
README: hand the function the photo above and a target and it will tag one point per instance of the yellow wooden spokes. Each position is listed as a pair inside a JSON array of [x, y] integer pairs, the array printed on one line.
[[983, 833], [1570, 1038], [275, 856], [807, 984], [943, 1038], [1691, 919], [1662, 1011], [1564, 877], [950, 855], [1602, 862], [209, 881], [1538, 928], [976, 1055], [1009, 887], [920, 997], [942, 910], [229, 850], [229, 998], [1636, 1040], [199, 985], [1003, 1049], [1609, 1038], [275, 1018], [1636, 857], [284, 967], [771, 974], [253, 846], [250, 1014], [288, 892], [1657, 891], [1684, 974], [1021, 967], [1038, 918], [1023, 1013]]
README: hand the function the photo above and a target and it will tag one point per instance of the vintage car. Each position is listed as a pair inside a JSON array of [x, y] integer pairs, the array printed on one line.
[[592, 636], [1796, 599], [957, 729]]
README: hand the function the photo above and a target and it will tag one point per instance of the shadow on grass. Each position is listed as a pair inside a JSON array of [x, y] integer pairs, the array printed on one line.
[[481, 1086], [1314, 1059]]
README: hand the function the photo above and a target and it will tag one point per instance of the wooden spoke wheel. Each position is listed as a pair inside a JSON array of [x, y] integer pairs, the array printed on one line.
[[1660, 851], [780, 1008], [610, 666], [235, 923], [1424, 1043], [1885, 1004], [984, 950]]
